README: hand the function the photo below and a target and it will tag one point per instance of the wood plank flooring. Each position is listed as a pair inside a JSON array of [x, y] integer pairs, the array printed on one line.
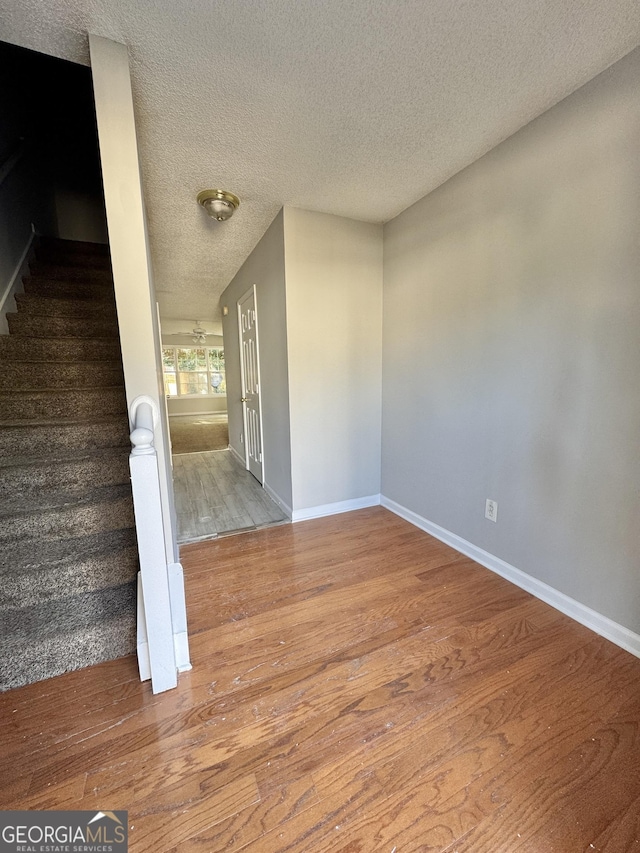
[[215, 495], [357, 687]]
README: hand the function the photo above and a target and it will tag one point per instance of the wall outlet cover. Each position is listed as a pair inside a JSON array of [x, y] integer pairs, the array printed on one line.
[[491, 510]]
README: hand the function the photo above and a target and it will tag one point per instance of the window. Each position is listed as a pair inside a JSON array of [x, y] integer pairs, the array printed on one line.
[[193, 372]]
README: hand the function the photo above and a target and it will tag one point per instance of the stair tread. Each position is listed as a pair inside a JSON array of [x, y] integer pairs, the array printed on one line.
[[82, 299], [110, 363], [24, 555], [22, 315], [61, 457], [74, 245], [55, 392], [109, 339], [104, 285], [64, 422], [67, 614], [104, 339], [32, 325], [48, 502], [45, 305], [56, 268]]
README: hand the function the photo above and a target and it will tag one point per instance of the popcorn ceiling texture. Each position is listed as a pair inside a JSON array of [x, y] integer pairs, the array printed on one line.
[[352, 107]]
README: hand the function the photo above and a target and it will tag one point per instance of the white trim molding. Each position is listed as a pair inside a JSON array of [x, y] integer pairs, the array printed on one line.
[[602, 625], [275, 497], [198, 414], [334, 508], [179, 617], [14, 285], [235, 453], [144, 661]]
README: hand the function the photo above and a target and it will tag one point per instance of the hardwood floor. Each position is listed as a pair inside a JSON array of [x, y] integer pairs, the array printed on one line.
[[357, 687]]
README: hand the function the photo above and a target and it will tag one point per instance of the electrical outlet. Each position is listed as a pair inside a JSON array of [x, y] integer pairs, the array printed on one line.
[[491, 510]]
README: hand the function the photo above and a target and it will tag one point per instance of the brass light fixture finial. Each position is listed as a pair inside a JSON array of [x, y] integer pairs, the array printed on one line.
[[219, 204]]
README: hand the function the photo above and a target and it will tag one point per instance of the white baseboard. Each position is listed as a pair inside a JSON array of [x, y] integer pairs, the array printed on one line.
[[223, 414], [14, 285], [602, 625], [334, 508], [240, 459], [277, 499]]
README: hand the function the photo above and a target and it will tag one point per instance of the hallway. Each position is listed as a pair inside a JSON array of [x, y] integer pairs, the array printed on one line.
[[215, 496]]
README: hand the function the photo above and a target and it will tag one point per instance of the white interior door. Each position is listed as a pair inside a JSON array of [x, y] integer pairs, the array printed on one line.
[[250, 374]]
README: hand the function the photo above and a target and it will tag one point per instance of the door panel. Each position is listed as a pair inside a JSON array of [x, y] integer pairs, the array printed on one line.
[[250, 375]]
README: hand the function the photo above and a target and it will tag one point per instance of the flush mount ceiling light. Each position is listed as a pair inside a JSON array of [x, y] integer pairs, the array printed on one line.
[[199, 334], [219, 204]]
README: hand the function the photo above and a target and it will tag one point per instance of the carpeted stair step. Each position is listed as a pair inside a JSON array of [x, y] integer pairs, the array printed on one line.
[[49, 306], [16, 406], [67, 516], [34, 572], [69, 375], [50, 254], [69, 288], [72, 247], [86, 260], [56, 637], [59, 349], [53, 438], [29, 326], [71, 272], [70, 475]]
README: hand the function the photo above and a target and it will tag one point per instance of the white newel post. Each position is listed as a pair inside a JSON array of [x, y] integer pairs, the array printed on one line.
[[156, 652]]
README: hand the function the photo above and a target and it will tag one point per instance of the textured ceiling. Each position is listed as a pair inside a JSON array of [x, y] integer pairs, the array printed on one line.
[[353, 107]]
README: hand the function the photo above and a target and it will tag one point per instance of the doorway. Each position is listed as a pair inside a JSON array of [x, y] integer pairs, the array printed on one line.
[[215, 494], [195, 388]]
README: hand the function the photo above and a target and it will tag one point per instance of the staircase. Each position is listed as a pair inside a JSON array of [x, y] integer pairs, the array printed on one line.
[[68, 555]]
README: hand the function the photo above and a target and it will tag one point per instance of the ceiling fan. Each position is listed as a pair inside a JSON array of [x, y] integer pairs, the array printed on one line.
[[199, 334]]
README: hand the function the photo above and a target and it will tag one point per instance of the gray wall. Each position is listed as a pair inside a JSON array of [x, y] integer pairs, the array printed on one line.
[[265, 268], [512, 349], [80, 215], [184, 406], [334, 323]]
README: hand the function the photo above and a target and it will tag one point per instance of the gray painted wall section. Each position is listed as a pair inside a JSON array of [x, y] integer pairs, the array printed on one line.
[[189, 406], [265, 268], [512, 349], [334, 321]]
